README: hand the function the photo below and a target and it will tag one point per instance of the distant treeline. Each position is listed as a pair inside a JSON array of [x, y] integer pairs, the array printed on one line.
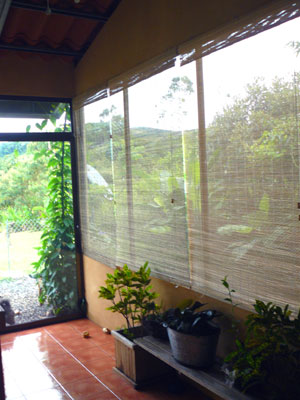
[[9, 147]]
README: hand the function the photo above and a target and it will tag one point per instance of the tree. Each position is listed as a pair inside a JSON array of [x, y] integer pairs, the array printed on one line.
[[23, 181], [253, 167], [10, 147]]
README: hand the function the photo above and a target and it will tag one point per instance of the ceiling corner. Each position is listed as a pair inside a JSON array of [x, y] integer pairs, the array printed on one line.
[[4, 7]]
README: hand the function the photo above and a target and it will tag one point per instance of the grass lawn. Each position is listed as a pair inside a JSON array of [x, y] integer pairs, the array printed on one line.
[[21, 251]]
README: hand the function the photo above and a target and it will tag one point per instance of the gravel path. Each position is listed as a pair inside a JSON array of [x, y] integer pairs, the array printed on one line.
[[23, 296]]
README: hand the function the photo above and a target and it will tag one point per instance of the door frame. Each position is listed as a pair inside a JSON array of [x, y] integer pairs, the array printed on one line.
[[55, 137]]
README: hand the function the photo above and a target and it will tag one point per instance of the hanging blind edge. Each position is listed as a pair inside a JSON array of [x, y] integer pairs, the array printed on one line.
[[129, 78], [240, 29]]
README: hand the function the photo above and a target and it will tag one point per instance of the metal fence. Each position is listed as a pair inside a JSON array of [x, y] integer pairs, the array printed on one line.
[[13, 227], [31, 225]]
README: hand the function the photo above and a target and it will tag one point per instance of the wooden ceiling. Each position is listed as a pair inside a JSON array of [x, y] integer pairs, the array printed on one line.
[[52, 28]]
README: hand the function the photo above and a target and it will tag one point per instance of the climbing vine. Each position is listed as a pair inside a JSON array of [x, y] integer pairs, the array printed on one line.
[[56, 270]]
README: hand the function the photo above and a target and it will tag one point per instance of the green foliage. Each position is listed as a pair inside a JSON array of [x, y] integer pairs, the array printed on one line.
[[229, 229], [156, 166], [190, 321], [179, 90], [267, 362], [6, 279], [23, 181], [56, 265], [252, 173], [162, 173], [229, 299], [156, 323], [10, 147], [131, 294], [253, 170], [296, 46], [15, 214]]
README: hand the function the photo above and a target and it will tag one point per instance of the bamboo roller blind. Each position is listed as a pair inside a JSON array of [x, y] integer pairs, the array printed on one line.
[[211, 187]]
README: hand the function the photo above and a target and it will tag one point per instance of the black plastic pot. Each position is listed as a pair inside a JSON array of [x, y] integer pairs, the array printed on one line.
[[155, 328], [193, 351]]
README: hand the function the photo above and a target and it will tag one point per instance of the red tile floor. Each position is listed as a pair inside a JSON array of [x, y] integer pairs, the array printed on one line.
[[56, 363]]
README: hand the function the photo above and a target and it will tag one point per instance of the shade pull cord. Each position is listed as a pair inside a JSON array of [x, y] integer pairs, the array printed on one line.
[[48, 9]]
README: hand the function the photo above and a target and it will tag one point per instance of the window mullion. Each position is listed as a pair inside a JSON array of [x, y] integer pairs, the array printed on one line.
[[204, 205], [129, 176]]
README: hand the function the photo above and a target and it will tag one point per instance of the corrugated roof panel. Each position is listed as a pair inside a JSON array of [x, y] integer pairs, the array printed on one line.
[[55, 30], [34, 28], [90, 6]]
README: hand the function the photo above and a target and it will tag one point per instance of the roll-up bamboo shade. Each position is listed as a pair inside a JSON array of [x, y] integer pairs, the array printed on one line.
[[208, 187], [96, 193], [127, 79], [90, 96], [263, 19], [159, 212], [248, 217]]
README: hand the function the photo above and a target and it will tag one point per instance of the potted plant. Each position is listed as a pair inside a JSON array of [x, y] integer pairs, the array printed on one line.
[[154, 325], [131, 295], [193, 336], [266, 362]]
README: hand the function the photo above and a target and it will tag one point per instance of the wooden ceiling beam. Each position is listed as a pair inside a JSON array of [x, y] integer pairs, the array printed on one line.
[[4, 7], [67, 12], [48, 50]]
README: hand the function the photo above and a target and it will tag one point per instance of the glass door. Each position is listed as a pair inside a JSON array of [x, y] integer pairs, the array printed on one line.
[[38, 270]]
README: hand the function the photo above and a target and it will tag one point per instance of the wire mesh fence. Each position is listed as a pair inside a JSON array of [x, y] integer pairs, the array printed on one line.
[[31, 225], [18, 243]]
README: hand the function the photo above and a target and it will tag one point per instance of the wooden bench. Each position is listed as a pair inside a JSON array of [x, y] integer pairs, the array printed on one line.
[[212, 379]]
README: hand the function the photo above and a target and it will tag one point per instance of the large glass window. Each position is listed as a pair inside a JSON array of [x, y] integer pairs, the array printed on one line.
[[25, 115], [158, 123], [96, 178], [204, 170], [251, 109]]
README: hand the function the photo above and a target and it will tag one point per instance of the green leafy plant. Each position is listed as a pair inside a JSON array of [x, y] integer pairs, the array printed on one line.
[[155, 324], [229, 299], [131, 294], [267, 362], [189, 320], [55, 268]]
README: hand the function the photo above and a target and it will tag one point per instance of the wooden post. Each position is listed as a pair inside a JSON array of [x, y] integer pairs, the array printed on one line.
[[2, 327], [203, 165], [129, 176]]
